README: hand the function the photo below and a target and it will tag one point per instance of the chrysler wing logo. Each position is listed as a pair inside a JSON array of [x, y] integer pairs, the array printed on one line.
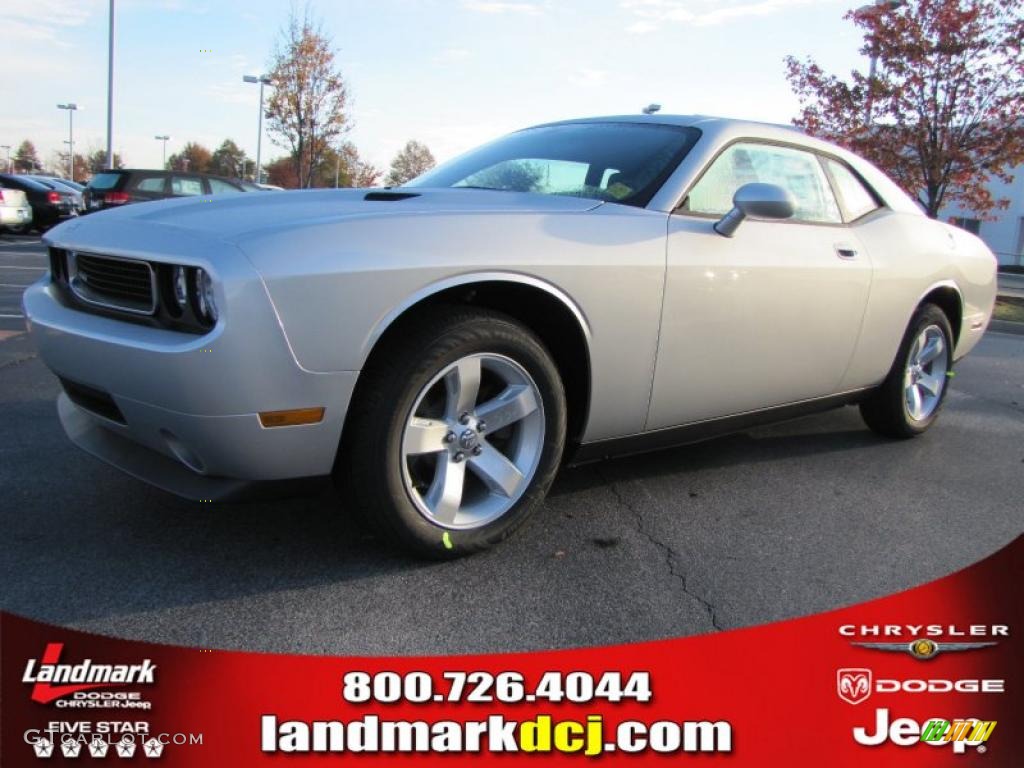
[[923, 648], [853, 685]]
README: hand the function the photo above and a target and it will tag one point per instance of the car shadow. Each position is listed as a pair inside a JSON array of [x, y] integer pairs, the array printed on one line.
[[92, 543], [833, 432]]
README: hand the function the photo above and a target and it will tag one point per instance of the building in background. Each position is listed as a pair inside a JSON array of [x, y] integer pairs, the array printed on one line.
[[1004, 235]]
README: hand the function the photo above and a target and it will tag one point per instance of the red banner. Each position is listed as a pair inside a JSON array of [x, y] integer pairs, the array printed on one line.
[[928, 677]]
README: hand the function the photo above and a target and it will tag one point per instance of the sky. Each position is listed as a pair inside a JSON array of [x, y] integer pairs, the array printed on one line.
[[449, 73]]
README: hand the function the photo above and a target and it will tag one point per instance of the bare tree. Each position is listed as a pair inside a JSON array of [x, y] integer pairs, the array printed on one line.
[[308, 108]]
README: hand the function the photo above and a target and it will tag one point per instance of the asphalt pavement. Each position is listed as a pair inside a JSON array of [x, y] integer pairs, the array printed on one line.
[[773, 523]]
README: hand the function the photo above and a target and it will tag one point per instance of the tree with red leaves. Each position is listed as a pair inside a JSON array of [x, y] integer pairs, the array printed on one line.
[[943, 112]]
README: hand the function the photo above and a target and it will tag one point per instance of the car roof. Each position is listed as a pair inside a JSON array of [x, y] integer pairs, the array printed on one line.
[[50, 181], [686, 121], [168, 173], [19, 178]]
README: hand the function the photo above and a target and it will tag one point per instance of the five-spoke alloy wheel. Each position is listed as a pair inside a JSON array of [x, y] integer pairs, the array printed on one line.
[[472, 441], [909, 399], [925, 377], [455, 433]]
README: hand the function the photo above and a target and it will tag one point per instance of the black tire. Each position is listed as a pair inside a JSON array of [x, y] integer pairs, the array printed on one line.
[[886, 411], [370, 463]]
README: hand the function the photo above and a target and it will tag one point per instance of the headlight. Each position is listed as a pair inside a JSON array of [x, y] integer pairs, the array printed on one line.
[[205, 304]]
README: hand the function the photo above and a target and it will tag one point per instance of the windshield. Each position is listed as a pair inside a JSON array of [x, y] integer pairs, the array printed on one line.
[[617, 162]]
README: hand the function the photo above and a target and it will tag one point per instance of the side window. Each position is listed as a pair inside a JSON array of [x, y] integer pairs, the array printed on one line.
[[218, 187], [856, 197], [149, 183], [795, 170], [184, 185]]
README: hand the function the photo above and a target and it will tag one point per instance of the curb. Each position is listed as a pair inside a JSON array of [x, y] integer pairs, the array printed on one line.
[[1006, 326]]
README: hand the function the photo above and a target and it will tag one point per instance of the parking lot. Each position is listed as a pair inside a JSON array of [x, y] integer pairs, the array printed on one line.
[[781, 521]]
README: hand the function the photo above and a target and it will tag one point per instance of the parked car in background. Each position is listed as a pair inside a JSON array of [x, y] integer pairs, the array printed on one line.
[[64, 187], [252, 186], [66, 182], [111, 189], [49, 205], [15, 212]]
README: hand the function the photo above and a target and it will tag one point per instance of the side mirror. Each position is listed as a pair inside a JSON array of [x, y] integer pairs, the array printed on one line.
[[756, 201]]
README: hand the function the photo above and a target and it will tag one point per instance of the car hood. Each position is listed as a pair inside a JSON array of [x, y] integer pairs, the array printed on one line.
[[235, 216]]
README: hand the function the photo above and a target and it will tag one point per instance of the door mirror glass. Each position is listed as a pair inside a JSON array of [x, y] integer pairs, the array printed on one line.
[[756, 201]]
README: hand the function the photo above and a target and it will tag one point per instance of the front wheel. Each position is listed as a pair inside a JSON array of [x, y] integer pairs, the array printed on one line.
[[456, 432], [909, 399]]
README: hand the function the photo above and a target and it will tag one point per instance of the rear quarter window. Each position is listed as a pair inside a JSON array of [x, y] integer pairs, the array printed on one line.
[[859, 201], [218, 187]]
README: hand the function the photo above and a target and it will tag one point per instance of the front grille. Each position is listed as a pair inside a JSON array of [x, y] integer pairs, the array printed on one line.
[[121, 284]]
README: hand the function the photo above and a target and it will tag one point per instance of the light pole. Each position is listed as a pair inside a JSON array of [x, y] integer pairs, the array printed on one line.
[[110, 90], [262, 80], [872, 8], [164, 139], [71, 136], [8, 148]]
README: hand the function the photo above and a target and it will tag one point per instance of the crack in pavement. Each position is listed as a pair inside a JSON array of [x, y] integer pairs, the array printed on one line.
[[18, 361], [671, 556]]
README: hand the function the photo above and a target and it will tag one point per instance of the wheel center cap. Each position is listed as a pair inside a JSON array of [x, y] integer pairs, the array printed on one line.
[[468, 439]]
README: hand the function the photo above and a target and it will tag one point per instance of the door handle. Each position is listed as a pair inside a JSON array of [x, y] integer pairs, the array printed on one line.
[[844, 251]]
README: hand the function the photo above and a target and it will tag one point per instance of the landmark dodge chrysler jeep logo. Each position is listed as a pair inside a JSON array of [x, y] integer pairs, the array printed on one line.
[[83, 676]]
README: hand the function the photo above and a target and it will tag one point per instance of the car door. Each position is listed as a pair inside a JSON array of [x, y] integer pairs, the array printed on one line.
[[769, 316]]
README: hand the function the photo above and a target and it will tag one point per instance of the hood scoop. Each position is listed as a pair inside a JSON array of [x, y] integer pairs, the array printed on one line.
[[387, 196]]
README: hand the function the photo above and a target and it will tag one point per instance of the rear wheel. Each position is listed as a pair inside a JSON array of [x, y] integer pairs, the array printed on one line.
[[456, 432], [909, 400]]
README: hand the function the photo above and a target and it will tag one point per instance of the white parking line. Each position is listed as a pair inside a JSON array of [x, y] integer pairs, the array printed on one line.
[[37, 269], [14, 285], [11, 317]]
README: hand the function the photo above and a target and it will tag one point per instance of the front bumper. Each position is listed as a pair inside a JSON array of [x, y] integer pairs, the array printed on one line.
[[188, 405]]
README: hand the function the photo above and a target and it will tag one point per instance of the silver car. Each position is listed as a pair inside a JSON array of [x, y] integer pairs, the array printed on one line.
[[566, 293], [15, 212]]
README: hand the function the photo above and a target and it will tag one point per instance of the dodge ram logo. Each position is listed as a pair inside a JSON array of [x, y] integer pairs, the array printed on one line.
[[853, 685]]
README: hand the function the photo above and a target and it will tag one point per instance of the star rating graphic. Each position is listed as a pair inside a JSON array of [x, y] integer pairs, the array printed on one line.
[[43, 748], [125, 748], [71, 748], [98, 747]]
